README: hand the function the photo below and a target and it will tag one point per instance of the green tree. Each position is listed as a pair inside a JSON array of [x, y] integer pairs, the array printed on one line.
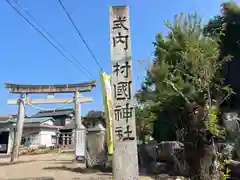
[[93, 113], [143, 122], [227, 24], [182, 79]]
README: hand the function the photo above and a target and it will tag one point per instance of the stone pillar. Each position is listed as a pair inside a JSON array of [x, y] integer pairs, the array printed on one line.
[[96, 146], [19, 129], [10, 140], [80, 141]]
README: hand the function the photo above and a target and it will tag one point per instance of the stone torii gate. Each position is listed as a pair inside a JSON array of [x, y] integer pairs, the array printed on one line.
[[25, 90]]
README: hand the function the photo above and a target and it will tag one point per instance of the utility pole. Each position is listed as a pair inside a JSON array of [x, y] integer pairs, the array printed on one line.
[[125, 159], [18, 129]]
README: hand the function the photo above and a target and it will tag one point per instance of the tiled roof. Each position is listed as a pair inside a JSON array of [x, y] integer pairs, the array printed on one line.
[[4, 117], [32, 120], [53, 113]]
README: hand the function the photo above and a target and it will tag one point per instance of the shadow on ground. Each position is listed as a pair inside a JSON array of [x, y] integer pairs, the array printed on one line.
[[81, 170], [106, 172], [62, 162]]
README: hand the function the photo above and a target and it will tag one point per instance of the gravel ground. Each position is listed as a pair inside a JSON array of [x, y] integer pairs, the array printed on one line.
[[47, 167], [53, 167]]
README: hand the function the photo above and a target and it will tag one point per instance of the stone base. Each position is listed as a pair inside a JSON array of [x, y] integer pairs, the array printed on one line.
[[109, 161]]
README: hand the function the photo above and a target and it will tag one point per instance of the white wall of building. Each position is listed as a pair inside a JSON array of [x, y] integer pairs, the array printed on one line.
[[31, 134], [68, 120], [37, 136], [50, 122], [46, 136], [43, 138]]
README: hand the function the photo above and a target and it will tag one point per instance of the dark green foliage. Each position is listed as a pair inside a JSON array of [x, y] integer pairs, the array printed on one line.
[[191, 73], [144, 120], [229, 22], [183, 70], [96, 114], [165, 126]]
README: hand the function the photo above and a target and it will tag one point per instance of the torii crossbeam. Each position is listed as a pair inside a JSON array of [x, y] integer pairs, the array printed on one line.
[[25, 89], [60, 88]]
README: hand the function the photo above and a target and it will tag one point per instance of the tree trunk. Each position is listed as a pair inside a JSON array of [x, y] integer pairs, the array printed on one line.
[[200, 154]]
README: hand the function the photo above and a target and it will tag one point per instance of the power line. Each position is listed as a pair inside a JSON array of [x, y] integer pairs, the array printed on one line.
[[56, 47], [54, 39], [80, 35]]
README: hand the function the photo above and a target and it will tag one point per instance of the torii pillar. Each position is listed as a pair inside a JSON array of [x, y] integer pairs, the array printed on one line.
[[50, 89]]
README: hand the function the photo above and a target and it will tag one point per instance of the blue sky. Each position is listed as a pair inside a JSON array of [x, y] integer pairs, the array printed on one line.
[[27, 58]]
